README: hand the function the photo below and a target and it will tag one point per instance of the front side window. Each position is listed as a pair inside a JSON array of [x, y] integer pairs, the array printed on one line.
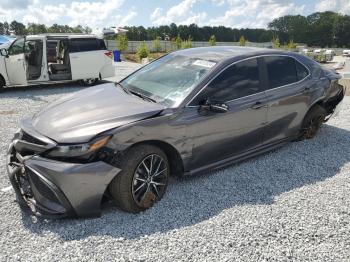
[[170, 79], [17, 47], [281, 71], [239, 80]]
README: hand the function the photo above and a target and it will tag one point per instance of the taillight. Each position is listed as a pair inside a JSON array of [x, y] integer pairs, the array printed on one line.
[[109, 54]]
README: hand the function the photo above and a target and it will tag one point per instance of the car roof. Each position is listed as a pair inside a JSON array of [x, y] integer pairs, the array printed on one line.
[[68, 35], [221, 53]]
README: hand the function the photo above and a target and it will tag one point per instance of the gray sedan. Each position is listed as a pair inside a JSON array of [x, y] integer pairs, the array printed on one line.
[[190, 111]]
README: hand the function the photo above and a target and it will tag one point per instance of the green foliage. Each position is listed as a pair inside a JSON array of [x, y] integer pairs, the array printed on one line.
[[122, 42], [291, 45], [187, 43], [178, 42], [142, 51], [276, 42], [212, 40], [156, 45], [242, 41], [17, 28]]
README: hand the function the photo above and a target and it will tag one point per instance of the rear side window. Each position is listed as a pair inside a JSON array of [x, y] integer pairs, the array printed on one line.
[[281, 70], [239, 80], [86, 44], [302, 71]]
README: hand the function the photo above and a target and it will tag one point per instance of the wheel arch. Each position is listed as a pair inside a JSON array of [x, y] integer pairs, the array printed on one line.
[[174, 157]]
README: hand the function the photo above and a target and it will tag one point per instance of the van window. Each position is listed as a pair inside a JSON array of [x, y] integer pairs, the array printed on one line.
[[239, 80], [17, 47], [281, 70], [86, 44]]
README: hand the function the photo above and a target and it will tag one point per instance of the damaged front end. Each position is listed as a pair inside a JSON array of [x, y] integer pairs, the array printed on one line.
[[52, 188]]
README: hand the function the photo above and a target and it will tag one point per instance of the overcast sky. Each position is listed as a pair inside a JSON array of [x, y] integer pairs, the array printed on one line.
[[104, 13]]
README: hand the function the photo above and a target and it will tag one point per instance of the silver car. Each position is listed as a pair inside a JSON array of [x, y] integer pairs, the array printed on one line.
[[185, 113]]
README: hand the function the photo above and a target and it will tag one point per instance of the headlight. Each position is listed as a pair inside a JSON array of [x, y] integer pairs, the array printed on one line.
[[79, 149]]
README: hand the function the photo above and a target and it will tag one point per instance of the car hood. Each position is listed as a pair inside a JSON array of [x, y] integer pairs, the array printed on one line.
[[81, 116]]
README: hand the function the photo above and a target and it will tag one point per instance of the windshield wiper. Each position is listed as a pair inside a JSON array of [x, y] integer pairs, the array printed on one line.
[[128, 91], [123, 87], [142, 96]]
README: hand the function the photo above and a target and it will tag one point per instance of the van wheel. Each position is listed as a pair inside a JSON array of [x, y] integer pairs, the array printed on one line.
[[2, 84], [143, 179], [312, 122], [89, 81]]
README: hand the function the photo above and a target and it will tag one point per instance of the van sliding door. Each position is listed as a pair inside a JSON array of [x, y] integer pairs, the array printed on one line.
[[85, 58]]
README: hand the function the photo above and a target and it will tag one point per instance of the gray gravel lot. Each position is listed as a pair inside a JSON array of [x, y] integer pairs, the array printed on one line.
[[292, 204]]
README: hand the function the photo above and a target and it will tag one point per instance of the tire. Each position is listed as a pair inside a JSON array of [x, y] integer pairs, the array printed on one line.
[[312, 122], [133, 189], [2, 84], [89, 81]]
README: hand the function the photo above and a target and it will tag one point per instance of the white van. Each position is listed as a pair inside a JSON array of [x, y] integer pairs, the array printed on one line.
[[52, 58]]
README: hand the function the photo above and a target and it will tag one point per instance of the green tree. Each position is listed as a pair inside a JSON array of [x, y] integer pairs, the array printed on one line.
[[2, 30], [142, 51], [212, 40], [276, 42], [6, 28], [34, 29], [187, 43], [291, 45], [156, 44], [17, 28], [178, 42], [122, 42], [242, 41]]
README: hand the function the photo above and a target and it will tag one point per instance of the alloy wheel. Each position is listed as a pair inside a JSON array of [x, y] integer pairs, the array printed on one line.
[[149, 180]]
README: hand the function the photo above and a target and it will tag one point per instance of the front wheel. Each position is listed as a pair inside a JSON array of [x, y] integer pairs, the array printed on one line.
[[312, 122], [143, 179], [89, 81]]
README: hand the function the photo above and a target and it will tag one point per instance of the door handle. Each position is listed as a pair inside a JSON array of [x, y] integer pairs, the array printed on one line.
[[306, 90], [258, 105]]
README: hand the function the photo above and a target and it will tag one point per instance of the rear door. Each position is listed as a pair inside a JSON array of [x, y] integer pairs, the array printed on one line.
[[86, 58], [287, 96], [16, 64], [218, 136]]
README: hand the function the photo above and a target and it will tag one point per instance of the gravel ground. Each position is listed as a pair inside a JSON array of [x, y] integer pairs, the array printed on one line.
[[291, 204]]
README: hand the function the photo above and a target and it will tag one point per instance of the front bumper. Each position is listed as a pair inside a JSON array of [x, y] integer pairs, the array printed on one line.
[[58, 189]]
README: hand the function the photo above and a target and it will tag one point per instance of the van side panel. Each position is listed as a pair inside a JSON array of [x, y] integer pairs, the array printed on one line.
[[86, 64], [108, 69]]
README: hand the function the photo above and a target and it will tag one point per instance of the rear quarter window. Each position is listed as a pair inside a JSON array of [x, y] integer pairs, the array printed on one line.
[[86, 45], [302, 71]]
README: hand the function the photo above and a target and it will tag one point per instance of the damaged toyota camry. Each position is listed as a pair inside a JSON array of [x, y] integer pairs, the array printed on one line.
[[187, 112]]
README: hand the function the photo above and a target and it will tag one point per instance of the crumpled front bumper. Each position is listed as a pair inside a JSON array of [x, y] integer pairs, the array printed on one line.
[[59, 189]]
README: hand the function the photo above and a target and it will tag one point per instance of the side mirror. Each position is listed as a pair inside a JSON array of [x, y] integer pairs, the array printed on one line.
[[4, 52], [213, 107]]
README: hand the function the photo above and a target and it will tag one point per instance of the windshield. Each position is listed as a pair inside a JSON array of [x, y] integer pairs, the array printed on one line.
[[169, 79]]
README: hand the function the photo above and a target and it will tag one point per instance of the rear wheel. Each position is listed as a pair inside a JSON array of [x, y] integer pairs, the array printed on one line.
[[143, 179], [312, 122]]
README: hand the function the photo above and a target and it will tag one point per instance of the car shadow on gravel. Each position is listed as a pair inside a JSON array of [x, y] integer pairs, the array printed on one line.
[[191, 200]]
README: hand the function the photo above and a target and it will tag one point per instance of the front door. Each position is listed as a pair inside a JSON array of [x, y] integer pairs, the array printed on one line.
[[15, 63], [218, 136]]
